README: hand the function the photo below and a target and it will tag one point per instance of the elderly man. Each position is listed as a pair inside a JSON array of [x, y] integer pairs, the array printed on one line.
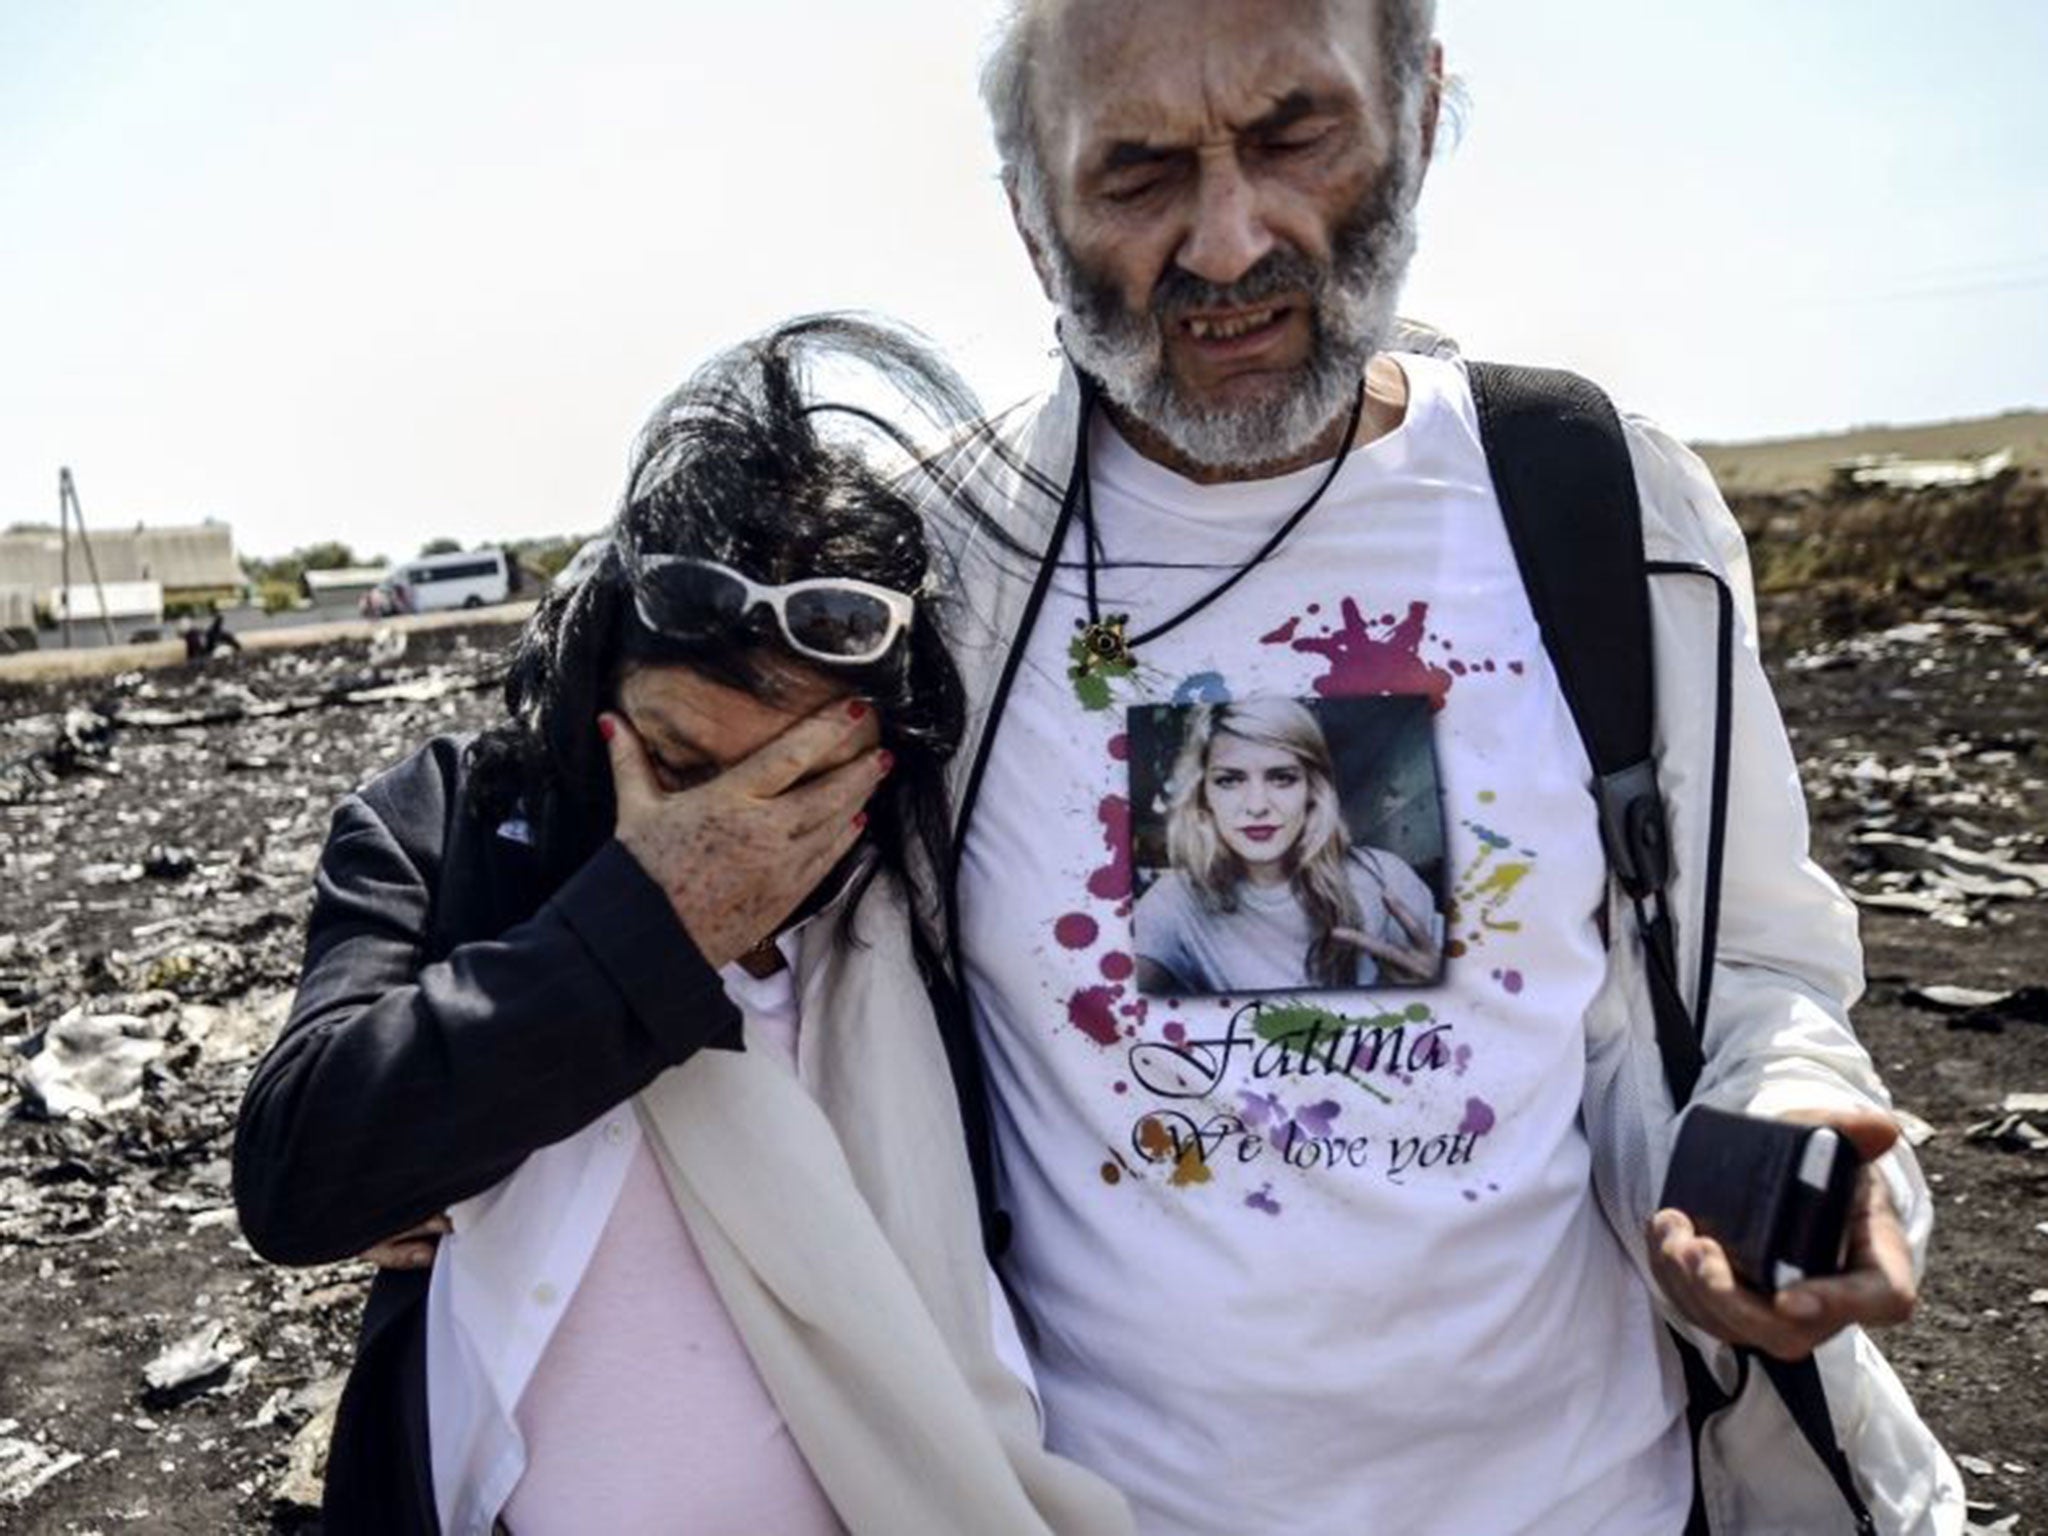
[[1344, 1260]]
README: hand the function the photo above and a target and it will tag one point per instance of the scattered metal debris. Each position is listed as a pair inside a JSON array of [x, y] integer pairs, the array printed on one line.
[[1895, 472], [158, 833], [25, 1465], [1982, 1008], [299, 1489], [198, 1361], [2011, 1133], [92, 1064], [1938, 878]]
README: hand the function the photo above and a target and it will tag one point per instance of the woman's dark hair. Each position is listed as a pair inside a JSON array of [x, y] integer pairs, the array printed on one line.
[[743, 466]]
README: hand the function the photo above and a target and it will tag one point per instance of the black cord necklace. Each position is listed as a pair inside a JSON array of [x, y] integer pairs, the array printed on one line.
[[1103, 647]]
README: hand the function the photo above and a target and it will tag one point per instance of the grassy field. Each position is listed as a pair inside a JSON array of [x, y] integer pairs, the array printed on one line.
[[1805, 462]]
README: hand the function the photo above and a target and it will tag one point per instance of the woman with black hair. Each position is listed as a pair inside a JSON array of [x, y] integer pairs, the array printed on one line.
[[642, 990]]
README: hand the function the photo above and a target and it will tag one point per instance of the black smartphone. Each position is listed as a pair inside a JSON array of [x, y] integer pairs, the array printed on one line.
[[1775, 1194]]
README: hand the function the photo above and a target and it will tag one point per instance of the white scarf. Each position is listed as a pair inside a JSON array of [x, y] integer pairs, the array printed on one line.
[[840, 1227]]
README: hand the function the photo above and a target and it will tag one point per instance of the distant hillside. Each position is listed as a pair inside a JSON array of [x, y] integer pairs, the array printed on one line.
[[1797, 463], [1835, 559]]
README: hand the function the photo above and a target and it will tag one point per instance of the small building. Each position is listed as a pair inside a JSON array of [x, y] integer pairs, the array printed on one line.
[[134, 609], [191, 564], [17, 618]]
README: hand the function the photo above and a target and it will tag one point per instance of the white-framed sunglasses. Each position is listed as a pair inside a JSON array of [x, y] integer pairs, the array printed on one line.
[[826, 618]]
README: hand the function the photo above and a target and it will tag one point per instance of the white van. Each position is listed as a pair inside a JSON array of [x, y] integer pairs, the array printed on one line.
[[432, 583]]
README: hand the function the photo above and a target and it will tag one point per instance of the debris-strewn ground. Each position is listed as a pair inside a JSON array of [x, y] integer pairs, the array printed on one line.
[[157, 831], [1925, 754], [157, 834]]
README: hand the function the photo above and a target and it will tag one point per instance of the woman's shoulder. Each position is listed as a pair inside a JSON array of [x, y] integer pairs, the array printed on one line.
[[413, 797], [1169, 900], [434, 771]]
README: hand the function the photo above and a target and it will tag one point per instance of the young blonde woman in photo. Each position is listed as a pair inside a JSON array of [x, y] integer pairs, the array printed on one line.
[[1266, 891]]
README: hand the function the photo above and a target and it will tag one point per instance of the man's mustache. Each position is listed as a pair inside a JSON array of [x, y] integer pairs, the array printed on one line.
[[1279, 272], [1357, 245]]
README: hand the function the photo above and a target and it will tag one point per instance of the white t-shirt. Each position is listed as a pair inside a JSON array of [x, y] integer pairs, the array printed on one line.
[[1321, 1261]]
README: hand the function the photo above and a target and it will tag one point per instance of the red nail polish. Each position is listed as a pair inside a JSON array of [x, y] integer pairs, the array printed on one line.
[[857, 710], [860, 821], [885, 760], [607, 727]]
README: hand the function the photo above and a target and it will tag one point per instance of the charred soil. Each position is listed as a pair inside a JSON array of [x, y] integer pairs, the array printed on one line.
[[158, 831]]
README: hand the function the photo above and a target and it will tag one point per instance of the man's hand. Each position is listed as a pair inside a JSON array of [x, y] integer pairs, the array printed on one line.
[[1875, 1288], [1419, 960], [738, 853], [411, 1249]]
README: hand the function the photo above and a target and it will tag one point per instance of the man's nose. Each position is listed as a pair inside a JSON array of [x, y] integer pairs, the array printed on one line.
[[1228, 233]]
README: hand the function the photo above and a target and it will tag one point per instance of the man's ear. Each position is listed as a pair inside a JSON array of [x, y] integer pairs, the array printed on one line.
[[1433, 101], [1031, 246]]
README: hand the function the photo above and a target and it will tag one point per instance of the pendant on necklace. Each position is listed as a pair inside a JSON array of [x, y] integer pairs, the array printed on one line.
[[1100, 653], [1103, 647]]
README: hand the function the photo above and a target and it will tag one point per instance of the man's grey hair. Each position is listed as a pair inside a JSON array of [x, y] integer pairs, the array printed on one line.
[[1353, 292], [1406, 28]]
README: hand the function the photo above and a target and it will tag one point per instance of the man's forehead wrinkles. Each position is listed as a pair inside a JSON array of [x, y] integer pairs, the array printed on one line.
[[1279, 111], [1200, 99]]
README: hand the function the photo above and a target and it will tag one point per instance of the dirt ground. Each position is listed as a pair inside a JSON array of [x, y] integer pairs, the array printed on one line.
[[157, 868]]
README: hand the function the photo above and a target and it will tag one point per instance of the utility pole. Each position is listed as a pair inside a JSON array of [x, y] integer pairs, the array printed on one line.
[[68, 512], [64, 548]]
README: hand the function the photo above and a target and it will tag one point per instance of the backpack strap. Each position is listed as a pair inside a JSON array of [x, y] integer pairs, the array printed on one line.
[[1567, 492], [1568, 496]]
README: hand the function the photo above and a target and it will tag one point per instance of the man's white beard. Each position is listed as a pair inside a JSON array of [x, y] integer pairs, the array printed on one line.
[[1353, 300]]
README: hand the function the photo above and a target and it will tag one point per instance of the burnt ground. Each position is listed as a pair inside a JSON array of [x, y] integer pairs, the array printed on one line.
[[156, 867]]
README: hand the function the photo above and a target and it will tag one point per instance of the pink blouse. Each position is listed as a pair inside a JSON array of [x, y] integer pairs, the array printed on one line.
[[645, 1413]]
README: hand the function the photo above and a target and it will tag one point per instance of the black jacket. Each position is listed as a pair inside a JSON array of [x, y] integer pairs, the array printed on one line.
[[452, 1016]]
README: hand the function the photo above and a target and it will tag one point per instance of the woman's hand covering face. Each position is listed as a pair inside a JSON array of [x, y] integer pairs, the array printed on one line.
[[737, 851]]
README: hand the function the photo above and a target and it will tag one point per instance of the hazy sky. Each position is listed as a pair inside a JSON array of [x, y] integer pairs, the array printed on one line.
[[382, 271]]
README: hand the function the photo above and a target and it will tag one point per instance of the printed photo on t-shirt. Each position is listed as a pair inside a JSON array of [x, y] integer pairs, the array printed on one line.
[[1283, 845]]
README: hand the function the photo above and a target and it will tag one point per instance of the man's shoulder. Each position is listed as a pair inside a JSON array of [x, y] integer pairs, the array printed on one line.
[[1684, 518]]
